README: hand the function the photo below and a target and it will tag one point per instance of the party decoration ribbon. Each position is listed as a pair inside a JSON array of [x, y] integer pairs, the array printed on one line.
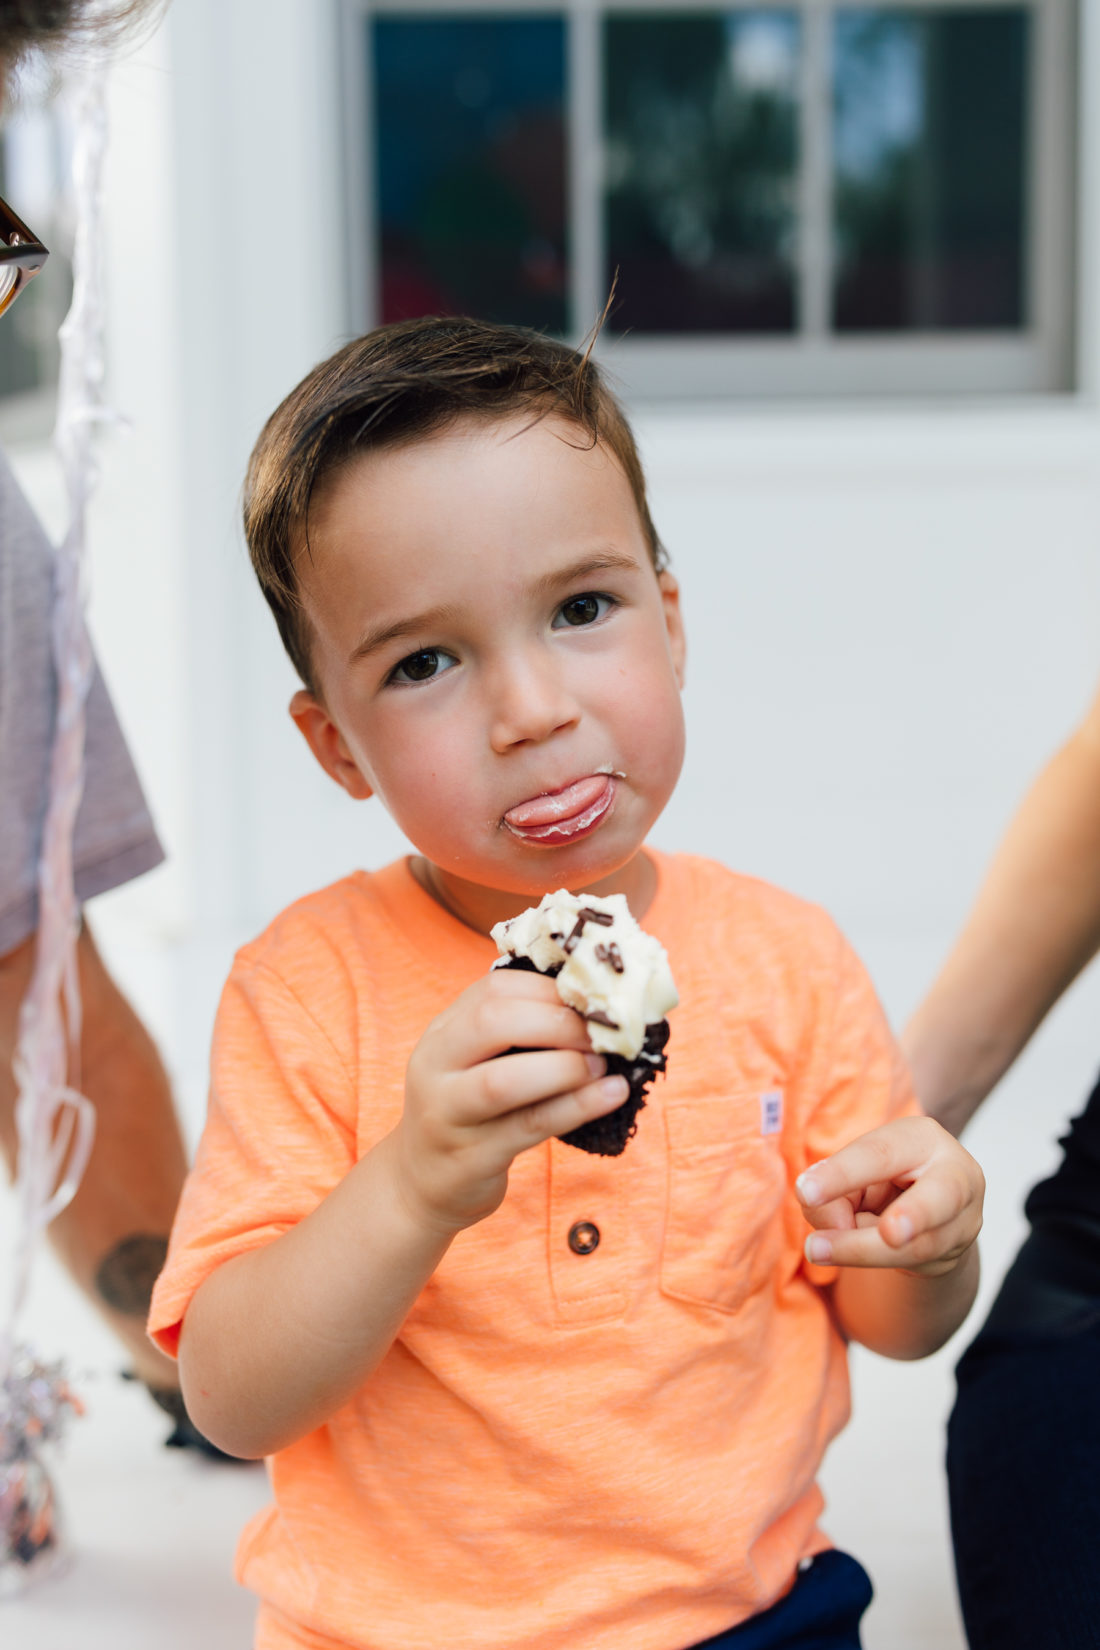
[[55, 1124]]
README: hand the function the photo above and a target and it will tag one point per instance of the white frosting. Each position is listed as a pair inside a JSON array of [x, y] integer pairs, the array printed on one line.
[[632, 996]]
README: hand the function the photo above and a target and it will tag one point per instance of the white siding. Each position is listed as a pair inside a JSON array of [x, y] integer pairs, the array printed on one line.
[[892, 613]]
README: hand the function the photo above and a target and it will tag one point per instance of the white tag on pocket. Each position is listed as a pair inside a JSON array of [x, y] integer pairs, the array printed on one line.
[[771, 1112]]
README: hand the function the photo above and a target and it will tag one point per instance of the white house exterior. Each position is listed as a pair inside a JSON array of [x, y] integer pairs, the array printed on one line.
[[893, 609]]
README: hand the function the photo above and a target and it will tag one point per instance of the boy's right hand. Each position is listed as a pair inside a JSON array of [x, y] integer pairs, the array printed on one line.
[[471, 1107]]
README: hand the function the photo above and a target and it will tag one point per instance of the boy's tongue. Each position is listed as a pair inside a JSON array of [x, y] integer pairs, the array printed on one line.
[[558, 805]]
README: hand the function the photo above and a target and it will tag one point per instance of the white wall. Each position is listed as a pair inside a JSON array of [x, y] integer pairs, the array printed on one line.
[[890, 607], [892, 610]]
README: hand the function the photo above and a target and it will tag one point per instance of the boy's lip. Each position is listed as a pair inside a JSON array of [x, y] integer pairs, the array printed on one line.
[[561, 816]]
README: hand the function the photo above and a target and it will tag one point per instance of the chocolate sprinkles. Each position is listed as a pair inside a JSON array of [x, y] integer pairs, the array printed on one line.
[[598, 1017], [586, 914]]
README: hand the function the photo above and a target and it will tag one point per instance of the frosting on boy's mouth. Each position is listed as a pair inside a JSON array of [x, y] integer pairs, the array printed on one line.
[[560, 815]]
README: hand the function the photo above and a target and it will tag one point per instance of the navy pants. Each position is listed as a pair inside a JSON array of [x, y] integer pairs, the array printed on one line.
[[822, 1611], [1023, 1450]]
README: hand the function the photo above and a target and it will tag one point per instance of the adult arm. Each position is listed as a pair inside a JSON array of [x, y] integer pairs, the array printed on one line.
[[1034, 926], [113, 1236]]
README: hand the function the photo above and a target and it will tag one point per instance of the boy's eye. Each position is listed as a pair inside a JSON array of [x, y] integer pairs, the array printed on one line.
[[422, 666], [583, 609]]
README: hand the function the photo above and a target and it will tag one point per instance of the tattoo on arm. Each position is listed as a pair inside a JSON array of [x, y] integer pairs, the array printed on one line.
[[125, 1276]]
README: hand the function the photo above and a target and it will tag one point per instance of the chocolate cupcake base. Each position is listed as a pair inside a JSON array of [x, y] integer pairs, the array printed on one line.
[[607, 1136]]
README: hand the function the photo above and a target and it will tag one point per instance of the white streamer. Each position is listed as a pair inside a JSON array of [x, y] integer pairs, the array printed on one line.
[[55, 1124]]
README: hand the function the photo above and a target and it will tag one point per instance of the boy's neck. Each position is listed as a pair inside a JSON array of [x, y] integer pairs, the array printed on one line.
[[479, 907]]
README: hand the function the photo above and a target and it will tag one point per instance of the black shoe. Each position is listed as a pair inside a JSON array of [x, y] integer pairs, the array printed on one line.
[[185, 1434]]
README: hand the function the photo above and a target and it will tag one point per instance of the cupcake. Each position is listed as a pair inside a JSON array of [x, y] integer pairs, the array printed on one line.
[[616, 977]]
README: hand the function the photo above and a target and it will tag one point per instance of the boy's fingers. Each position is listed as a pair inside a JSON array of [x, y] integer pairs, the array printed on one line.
[[513, 982], [882, 1155], [835, 1216], [494, 1024], [865, 1246], [925, 1206], [515, 1081], [899, 1153], [538, 1122], [877, 1196]]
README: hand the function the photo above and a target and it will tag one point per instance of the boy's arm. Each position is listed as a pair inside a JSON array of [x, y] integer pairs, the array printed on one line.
[[1035, 925], [277, 1339], [899, 1210]]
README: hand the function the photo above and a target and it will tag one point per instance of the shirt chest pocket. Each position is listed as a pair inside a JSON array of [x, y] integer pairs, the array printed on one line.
[[726, 1189]]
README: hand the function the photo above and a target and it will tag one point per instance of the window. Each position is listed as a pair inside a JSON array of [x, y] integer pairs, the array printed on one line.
[[700, 174], [470, 140], [797, 199], [929, 170]]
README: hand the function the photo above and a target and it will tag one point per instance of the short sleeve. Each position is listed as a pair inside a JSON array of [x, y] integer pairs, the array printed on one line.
[[279, 1136], [114, 839], [855, 1078]]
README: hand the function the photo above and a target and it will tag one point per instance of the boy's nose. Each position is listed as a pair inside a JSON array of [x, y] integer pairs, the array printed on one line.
[[528, 702]]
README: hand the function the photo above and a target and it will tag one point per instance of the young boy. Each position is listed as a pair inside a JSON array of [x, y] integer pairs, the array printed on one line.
[[517, 1397]]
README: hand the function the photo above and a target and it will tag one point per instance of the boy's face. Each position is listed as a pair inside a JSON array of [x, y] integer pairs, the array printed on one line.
[[496, 660]]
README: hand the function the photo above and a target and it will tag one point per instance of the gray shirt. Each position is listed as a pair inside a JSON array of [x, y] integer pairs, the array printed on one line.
[[115, 839]]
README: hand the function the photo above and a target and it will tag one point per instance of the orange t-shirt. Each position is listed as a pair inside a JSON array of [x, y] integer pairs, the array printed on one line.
[[614, 1449]]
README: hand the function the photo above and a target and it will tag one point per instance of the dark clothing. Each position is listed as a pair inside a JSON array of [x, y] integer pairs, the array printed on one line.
[[1023, 1442], [822, 1611], [1070, 1200]]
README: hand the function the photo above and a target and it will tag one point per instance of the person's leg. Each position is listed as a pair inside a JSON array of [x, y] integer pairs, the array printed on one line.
[[1023, 1455], [113, 1235]]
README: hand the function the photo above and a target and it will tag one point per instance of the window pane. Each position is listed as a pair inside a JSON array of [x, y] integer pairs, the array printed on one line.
[[930, 137], [702, 137], [471, 167]]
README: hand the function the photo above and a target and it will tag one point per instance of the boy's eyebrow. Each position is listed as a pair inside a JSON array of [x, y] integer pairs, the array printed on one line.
[[416, 624], [600, 561], [435, 618]]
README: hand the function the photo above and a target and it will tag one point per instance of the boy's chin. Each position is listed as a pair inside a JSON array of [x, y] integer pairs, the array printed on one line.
[[549, 869], [480, 897]]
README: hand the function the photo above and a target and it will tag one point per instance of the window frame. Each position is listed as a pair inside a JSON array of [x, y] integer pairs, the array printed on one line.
[[812, 362]]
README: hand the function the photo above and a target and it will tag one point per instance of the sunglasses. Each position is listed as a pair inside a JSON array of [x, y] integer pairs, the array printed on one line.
[[21, 256]]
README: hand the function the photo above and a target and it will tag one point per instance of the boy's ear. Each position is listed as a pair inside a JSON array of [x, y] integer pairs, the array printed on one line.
[[327, 744], [674, 623]]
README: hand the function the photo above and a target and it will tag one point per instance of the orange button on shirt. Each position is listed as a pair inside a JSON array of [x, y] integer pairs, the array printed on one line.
[[605, 1444]]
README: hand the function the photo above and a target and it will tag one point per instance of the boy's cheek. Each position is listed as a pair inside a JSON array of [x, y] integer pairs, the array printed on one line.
[[643, 703], [430, 790]]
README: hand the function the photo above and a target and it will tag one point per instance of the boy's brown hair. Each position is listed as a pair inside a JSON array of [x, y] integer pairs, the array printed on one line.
[[399, 384]]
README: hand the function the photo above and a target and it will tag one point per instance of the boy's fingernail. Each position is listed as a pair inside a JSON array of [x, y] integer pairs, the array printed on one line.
[[818, 1248], [596, 1064], [903, 1227], [616, 1088], [808, 1189]]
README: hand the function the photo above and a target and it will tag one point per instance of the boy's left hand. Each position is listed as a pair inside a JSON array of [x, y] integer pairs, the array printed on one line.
[[906, 1195]]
